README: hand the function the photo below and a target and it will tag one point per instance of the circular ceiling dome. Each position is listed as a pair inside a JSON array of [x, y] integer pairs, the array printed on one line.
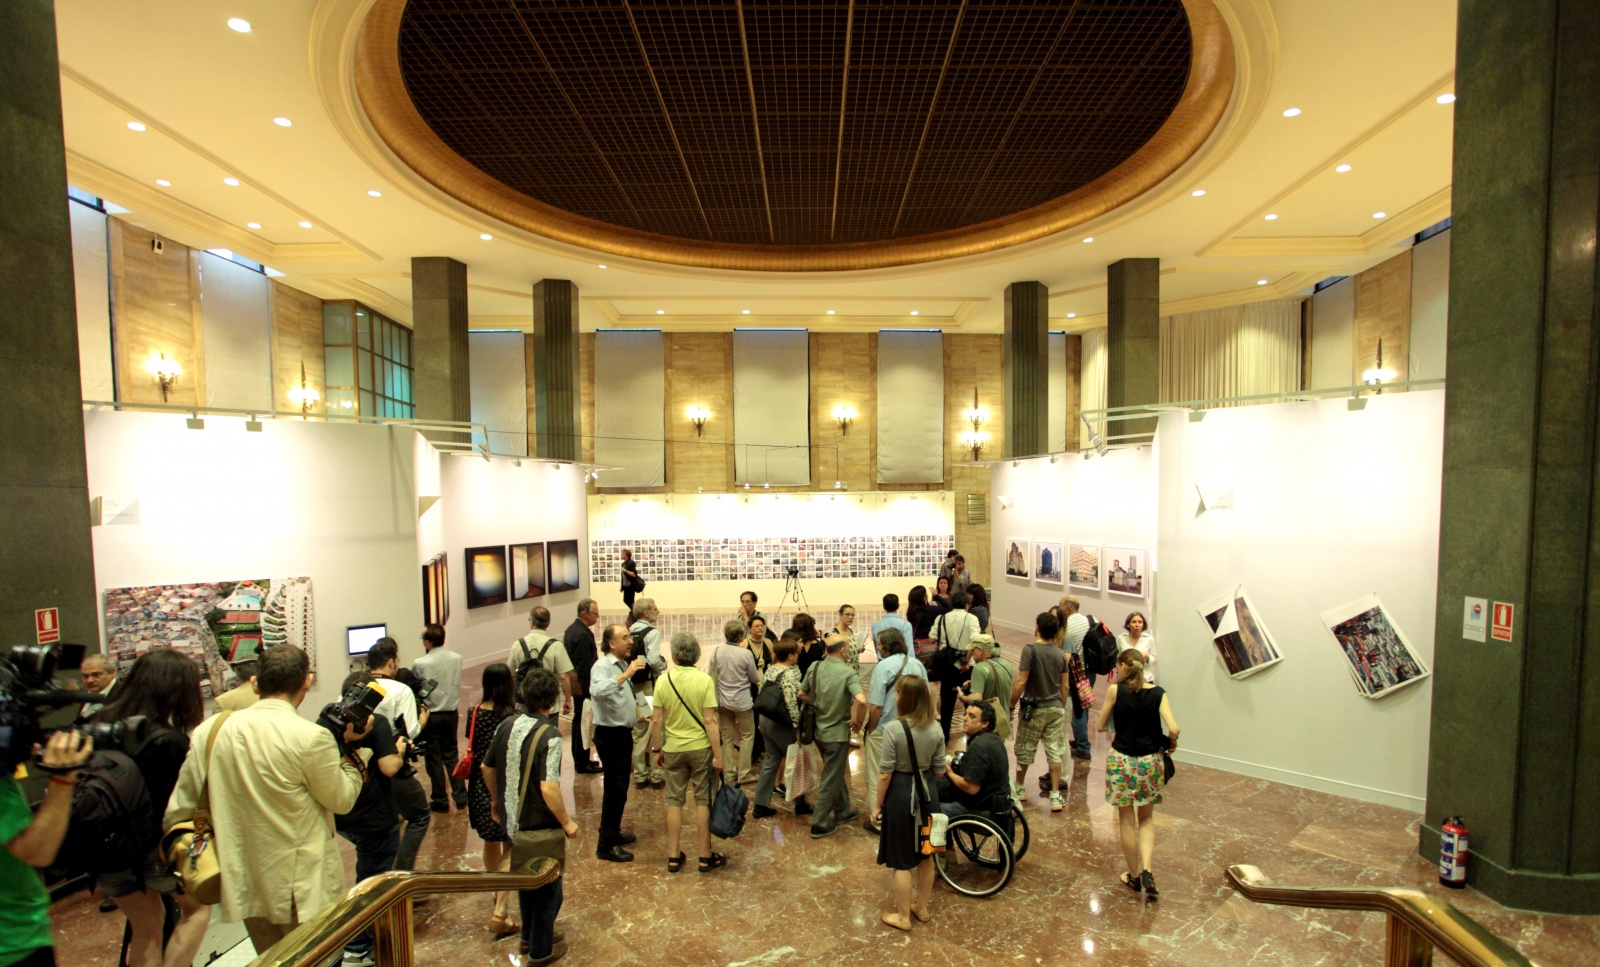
[[824, 135]]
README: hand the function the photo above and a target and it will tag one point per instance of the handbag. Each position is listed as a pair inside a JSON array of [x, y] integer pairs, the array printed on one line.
[[1167, 768], [1080, 681], [770, 702], [463, 769], [807, 730], [528, 846], [729, 805], [190, 847], [926, 648], [931, 833]]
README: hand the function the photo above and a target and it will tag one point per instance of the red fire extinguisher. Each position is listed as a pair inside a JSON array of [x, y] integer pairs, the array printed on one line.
[[1453, 853]]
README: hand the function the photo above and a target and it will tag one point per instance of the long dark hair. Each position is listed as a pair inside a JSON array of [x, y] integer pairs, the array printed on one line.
[[979, 597], [163, 686], [498, 688], [806, 625], [916, 603]]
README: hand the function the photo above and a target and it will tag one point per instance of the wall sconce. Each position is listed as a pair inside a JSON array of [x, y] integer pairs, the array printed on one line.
[[1379, 374], [698, 415], [303, 395], [844, 414], [166, 371], [976, 438]]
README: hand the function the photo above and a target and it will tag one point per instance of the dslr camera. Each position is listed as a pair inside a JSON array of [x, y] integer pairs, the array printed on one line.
[[354, 707], [28, 692]]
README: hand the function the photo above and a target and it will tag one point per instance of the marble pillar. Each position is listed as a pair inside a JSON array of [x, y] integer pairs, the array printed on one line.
[[441, 368], [1027, 369], [1133, 341], [557, 433]]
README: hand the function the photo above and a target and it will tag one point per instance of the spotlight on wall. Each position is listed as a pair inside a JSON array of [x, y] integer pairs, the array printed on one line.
[[747, 485], [976, 438], [844, 414], [304, 396], [698, 415], [1098, 444], [166, 371]]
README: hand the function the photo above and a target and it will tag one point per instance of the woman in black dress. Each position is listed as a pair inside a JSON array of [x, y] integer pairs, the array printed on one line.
[[631, 584], [901, 810], [499, 704], [1145, 728]]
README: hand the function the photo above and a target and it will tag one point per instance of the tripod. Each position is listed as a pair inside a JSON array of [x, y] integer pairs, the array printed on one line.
[[791, 587]]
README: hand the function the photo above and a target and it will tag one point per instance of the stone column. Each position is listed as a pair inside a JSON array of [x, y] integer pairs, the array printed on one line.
[[1516, 724], [441, 366], [558, 433], [1027, 369], [1133, 340], [46, 552]]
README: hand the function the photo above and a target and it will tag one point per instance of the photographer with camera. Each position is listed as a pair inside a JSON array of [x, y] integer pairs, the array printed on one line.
[[399, 709], [31, 840], [371, 825], [272, 780]]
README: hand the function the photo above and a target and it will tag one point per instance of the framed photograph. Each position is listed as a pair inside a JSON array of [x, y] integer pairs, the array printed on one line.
[[1047, 562], [1244, 646], [1377, 653], [436, 591], [1019, 551], [527, 570], [486, 576], [1126, 568], [563, 570], [1083, 565]]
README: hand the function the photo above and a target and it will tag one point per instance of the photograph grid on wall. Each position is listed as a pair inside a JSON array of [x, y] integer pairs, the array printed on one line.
[[764, 558]]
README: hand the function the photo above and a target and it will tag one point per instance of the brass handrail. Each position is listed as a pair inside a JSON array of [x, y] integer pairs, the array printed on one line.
[[1417, 922], [383, 902]]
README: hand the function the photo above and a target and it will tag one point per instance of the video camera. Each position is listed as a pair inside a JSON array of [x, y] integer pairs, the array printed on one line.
[[354, 707], [28, 691], [420, 687]]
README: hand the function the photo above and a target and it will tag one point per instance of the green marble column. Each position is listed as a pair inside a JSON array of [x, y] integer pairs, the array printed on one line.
[[1515, 743], [1133, 340], [557, 432], [46, 552], [442, 376], [1026, 362]]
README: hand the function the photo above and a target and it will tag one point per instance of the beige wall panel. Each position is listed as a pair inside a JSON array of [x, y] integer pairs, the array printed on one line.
[[972, 360], [586, 398], [152, 299], [843, 370], [699, 374], [296, 339], [1383, 311]]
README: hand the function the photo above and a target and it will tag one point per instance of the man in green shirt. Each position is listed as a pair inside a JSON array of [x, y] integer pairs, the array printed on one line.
[[835, 689], [31, 841], [684, 739], [990, 683]]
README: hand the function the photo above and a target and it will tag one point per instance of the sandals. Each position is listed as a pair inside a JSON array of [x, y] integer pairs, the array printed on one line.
[[1133, 883], [503, 927], [675, 864], [1148, 880], [709, 863]]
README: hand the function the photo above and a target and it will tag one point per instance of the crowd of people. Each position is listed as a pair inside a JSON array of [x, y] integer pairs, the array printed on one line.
[[647, 711]]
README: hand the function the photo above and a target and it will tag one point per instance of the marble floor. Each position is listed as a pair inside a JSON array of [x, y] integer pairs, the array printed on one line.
[[787, 899]]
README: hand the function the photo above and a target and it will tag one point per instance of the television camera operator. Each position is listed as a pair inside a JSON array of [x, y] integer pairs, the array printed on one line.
[[31, 840], [400, 708]]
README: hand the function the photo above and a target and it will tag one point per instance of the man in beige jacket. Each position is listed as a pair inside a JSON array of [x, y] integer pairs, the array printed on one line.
[[276, 780]]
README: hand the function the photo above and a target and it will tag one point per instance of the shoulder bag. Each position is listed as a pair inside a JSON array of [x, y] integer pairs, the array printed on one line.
[[806, 730], [190, 848], [1000, 703], [931, 831], [729, 805], [770, 702], [1080, 680], [463, 769], [528, 846]]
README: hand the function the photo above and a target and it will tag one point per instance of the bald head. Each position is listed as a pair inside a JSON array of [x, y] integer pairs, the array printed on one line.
[[1068, 605]]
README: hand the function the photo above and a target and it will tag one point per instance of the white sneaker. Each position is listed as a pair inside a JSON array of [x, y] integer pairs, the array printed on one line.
[[1056, 802], [357, 960]]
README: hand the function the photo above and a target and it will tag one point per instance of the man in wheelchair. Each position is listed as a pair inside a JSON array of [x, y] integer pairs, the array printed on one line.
[[979, 780]]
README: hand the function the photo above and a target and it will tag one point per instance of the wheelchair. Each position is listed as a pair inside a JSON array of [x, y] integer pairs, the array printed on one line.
[[982, 850]]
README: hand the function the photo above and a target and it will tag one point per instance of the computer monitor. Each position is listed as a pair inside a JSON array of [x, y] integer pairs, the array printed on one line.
[[360, 639]]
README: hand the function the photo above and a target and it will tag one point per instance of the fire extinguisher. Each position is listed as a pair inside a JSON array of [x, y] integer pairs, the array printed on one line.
[[1453, 853]]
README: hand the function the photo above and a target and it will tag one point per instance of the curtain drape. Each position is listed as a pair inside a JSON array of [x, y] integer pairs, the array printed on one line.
[[1232, 351], [910, 407], [630, 408]]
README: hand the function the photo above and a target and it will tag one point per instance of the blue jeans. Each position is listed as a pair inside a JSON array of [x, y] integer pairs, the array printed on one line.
[[375, 852], [1080, 731], [539, 909]]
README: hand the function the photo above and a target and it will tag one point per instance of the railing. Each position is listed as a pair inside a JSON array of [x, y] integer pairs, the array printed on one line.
[[383, 903], [1417, 922]]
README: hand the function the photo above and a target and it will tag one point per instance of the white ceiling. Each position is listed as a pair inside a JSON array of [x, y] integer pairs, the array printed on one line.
[[1365, 74]]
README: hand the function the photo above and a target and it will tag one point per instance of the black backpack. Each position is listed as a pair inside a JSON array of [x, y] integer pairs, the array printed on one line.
[[530, 661], [1099, 648], [639, 651], [113, 825]]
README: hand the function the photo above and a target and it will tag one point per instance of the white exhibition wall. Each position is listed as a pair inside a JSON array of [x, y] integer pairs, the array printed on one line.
[[496, 502], [1101, 500], [1328, 505], [330, 501], [757, 514]]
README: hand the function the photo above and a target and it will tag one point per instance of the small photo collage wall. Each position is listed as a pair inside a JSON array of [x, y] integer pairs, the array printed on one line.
[[757, 558]]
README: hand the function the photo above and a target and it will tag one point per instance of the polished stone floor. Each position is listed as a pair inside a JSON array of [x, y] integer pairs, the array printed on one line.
[[787, 899]]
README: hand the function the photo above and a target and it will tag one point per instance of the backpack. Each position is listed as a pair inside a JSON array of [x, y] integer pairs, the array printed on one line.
[[769, 702], [1099, 648], [113, 825], [529, 659], [639, 651]]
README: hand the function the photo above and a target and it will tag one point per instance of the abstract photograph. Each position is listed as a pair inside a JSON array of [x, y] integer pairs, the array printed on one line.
[[1018, 552], [1047, 562], [1125, 570], [486, 576], [436, 591], [1244, 646], [1083, 566], [1377, 653], [563, 566], [527, 571]]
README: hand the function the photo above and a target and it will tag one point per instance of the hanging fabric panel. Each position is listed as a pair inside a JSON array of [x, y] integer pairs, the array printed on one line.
[[630, 408], [910, 407], [771, 408]]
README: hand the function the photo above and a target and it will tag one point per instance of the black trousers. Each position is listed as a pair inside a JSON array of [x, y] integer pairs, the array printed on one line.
[[615, 745], [442, 755], [949, 679], [580, 753]]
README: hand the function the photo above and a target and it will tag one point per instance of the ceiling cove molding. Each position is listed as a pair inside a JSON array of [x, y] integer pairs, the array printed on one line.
[[355, 63], [350, 287], [1390, 231]]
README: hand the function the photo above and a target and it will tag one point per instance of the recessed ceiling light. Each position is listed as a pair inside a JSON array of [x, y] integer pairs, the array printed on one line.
[[163, 182], [830, 312], [744, 312], [1261, 282], [1271, 217], [1088, 240], [283, 122], [1198, 192], [1072, 315], [1445, 99], [914, 312], [253, 225], [231, 182], [1380, 214], [486, 237], [375, 193], [1292, 112], [135, 125], [240, 24], [305, 224], [661, 312], [1342, 169]]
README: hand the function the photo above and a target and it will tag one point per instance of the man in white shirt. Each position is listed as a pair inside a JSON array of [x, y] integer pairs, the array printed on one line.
[[440, 749], [541, 647], [734, 670], [399, 706], [954, 631]]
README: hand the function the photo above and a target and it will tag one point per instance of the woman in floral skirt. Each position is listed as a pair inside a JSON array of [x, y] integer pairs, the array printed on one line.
[[1134, 767]]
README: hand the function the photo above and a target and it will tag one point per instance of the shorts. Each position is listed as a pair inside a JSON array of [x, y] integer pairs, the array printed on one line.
[[155, 875], [1133, 780], [1047, 724], [685, 768]]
